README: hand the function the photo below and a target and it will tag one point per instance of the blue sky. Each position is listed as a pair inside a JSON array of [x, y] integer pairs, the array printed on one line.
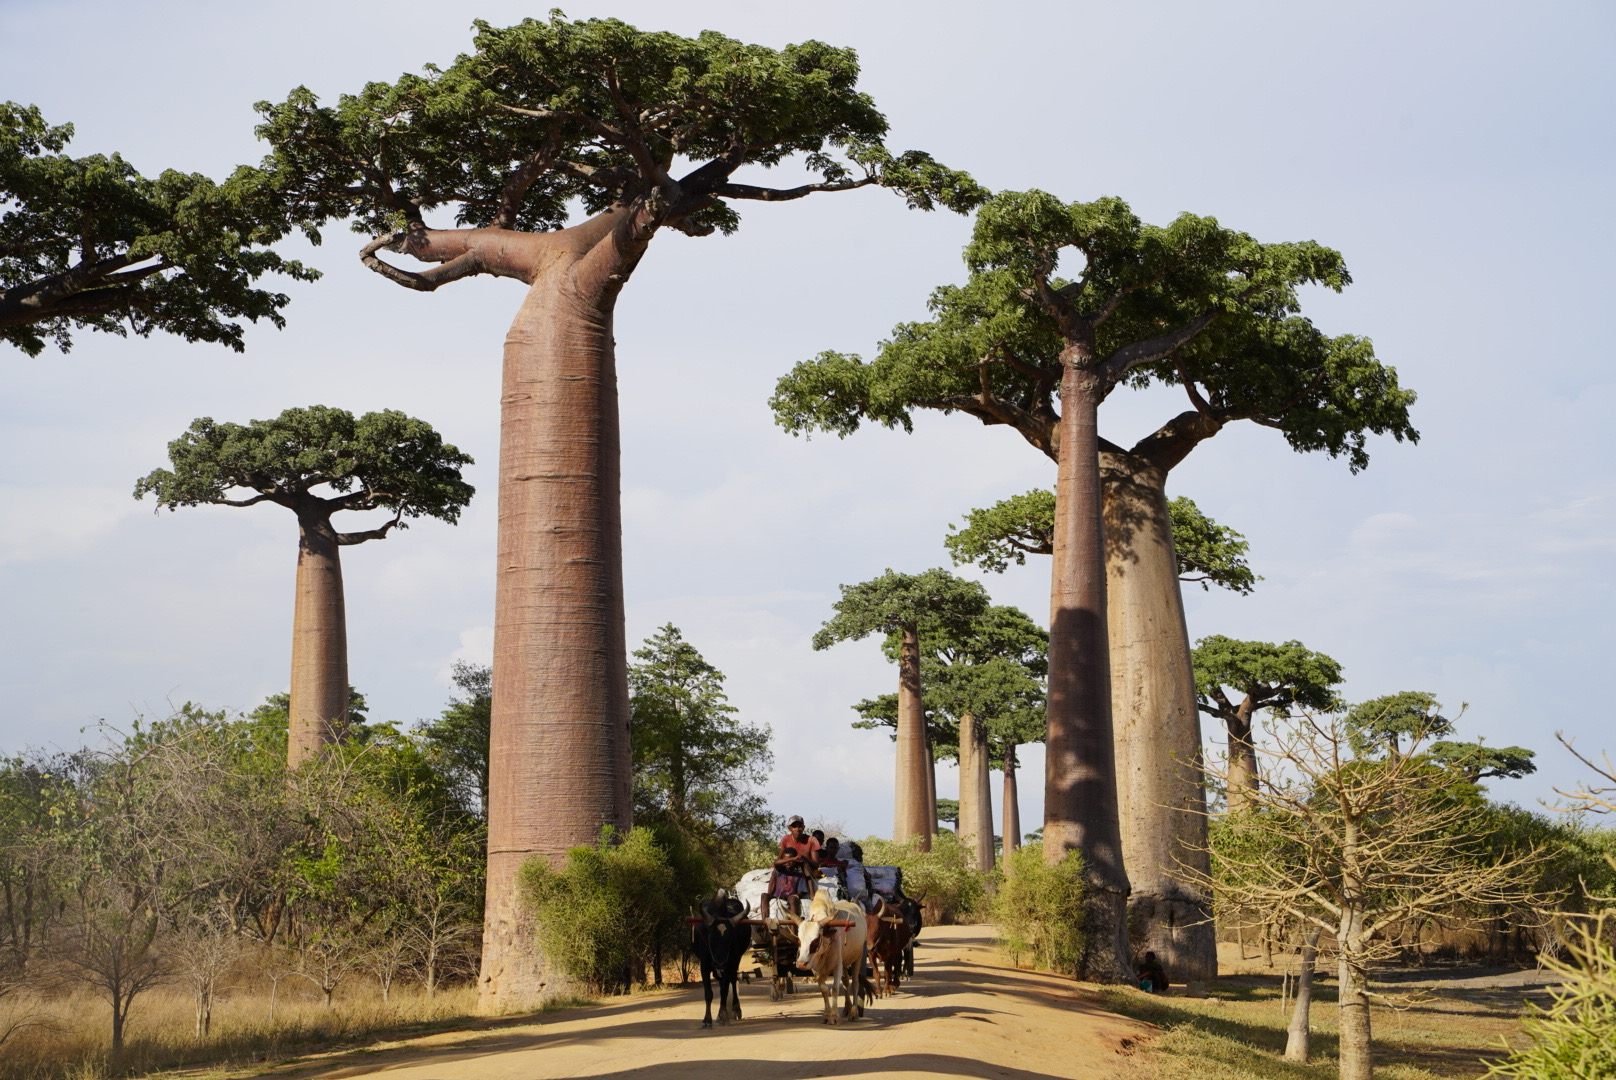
[[1460, 155]]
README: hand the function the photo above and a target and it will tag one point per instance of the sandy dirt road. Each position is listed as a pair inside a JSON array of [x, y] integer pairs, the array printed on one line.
[[964, 1014]]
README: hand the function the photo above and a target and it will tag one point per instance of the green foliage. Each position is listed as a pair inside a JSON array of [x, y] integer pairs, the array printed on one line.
[[929, 602], [90, 243], [546, 112], [1209, 553], [944, 879], [381, 460], [457, 741], [1034, 905], [696, 765], [1008, 531], [1277, 677], [600, 916], [1575, 1037], [1190, 302], [948, 811]]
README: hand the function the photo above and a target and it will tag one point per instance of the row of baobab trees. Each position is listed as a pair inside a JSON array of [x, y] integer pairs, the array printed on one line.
[[555, 151]]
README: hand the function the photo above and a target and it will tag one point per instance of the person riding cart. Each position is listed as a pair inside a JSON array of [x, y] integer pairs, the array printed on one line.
[[796, 864]]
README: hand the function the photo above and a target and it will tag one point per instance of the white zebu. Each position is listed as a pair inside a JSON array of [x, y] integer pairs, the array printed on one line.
[[817, 951]]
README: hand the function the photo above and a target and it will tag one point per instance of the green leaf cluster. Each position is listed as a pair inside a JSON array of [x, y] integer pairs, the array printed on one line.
[[602, 913], [697, 766], [381, 460], [90, 243], [1033, 906], [551, 111], [943, 878], [996, 536], [1191, 302], [1276, 677]]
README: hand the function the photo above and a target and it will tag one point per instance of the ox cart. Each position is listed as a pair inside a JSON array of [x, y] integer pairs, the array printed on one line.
[[774, 936]]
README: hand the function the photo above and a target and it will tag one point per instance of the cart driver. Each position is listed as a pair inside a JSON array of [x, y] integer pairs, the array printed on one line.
[[795, 862]]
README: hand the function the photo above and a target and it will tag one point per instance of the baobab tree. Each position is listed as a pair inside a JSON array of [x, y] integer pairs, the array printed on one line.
[[1018, 346], [641, 132], [1263, 676], [983, 680], [89, 243], [1160, 787], [317, 462], [907, 606]]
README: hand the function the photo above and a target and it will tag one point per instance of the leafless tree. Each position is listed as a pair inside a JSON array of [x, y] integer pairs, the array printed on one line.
[[1358, 845]]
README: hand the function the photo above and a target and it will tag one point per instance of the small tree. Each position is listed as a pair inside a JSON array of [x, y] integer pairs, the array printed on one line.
[[696, 765], [905, 606], [1356, 845], [379, 461], [90, 243], [1264, 676], [457, 741]]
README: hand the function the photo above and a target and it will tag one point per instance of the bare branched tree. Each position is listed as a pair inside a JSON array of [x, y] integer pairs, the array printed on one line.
[[1357, 844]]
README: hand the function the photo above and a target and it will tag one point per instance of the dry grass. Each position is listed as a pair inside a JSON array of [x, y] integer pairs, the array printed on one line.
[[1238, 1031], [68, 1036]]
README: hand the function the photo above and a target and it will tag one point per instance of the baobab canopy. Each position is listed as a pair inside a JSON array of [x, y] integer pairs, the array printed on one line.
[[549, 111]]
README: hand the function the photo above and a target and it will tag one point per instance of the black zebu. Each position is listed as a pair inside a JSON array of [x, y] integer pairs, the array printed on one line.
[[720, 945]]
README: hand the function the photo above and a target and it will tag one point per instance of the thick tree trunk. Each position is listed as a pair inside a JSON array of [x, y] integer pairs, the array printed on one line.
[[975, 798], [1296, 1037], [559, 763], [1080, 783], [1357, 1047], [317, 714], [1012, 805], [911, 817], [1161, 795], [1242, 758]]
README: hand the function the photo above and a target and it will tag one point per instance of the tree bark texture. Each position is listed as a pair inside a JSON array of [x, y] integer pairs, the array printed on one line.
[[559, 760], [1357, 1047], [1161, 796], [317, 712], [1296, 1038], [911, 818], [931, 781], [1080, 787], [975, 797], [1242, 757], [1012, 806]]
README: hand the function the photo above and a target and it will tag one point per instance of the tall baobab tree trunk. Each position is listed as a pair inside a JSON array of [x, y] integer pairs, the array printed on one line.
[[1242, 757], [931, 783], [559, 758], [911, 818], [1080, 784], [1012, 805], [317, 712], [1161, 797], [975, 799]]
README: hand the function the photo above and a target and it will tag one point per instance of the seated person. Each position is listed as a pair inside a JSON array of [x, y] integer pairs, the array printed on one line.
[[794, 863], [830, 853], [1152, 976]]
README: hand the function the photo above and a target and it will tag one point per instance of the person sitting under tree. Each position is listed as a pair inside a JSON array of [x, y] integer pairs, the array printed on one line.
[[1152, 976]]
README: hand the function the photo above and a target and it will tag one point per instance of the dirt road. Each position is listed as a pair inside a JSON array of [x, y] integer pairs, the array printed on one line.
[[964, 1014]]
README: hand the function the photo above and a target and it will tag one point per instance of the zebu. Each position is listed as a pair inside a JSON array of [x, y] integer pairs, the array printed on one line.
[[720, 945], [817, 951]]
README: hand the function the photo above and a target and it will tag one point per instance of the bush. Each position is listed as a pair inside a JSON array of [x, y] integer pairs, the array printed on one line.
[[943, 878], [1039, 908], [1575, 1037], [601, 916]]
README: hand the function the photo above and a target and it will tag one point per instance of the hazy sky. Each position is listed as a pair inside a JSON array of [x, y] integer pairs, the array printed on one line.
[[1459, 154]]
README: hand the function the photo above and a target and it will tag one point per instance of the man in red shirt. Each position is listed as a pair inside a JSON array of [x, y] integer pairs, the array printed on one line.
[[796, 863]]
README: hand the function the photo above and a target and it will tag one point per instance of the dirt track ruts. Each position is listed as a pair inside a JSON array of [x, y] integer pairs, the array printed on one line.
[[964, 1014]]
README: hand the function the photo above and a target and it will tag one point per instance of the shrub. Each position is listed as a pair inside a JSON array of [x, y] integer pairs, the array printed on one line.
[[601, 916], [951, 888], [1037, 908], [1575, 1037]]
